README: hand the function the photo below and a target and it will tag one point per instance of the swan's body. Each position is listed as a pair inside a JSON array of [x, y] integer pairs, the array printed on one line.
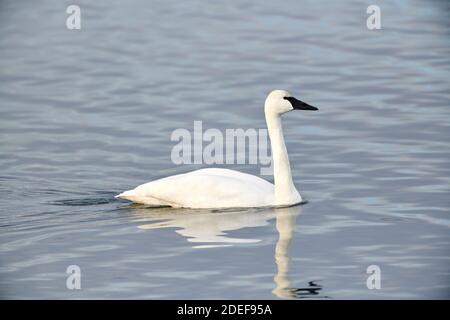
[[205, 188], [224, 188]]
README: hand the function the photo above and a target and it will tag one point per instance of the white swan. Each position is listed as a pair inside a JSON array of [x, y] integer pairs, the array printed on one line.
[[224, 188]]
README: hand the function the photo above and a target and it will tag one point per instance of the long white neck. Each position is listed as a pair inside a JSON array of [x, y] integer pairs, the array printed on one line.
[[285, 191]]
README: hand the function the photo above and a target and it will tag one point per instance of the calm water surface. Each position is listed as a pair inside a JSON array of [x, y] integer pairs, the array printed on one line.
[[86, 114]]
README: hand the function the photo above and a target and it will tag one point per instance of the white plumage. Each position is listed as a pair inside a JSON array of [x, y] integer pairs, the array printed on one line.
[[224, 188]]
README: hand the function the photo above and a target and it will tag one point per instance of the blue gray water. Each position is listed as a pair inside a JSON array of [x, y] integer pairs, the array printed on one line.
[[85, 114]]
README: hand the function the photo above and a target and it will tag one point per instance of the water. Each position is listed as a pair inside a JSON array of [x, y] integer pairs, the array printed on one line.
[[86, 114]]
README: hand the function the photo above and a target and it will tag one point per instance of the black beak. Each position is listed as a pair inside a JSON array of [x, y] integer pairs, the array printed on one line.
[[300, 105]]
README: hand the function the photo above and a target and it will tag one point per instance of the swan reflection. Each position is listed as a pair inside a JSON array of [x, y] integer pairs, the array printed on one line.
[[206, 226], [209, 228], [285, 224]]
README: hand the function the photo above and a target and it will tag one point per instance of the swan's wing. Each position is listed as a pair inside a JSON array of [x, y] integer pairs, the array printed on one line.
[[207, 188]]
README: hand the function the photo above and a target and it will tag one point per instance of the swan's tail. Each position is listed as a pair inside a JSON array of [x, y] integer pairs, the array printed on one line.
[[134, 196], [128, 195]]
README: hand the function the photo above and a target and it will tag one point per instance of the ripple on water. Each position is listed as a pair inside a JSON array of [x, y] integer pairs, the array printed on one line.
[[86, 114]]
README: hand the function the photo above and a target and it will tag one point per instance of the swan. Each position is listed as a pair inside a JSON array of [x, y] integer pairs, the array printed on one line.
[[215, 188]]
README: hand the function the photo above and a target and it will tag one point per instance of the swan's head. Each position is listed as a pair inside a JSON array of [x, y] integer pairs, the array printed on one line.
[[281, 101]]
